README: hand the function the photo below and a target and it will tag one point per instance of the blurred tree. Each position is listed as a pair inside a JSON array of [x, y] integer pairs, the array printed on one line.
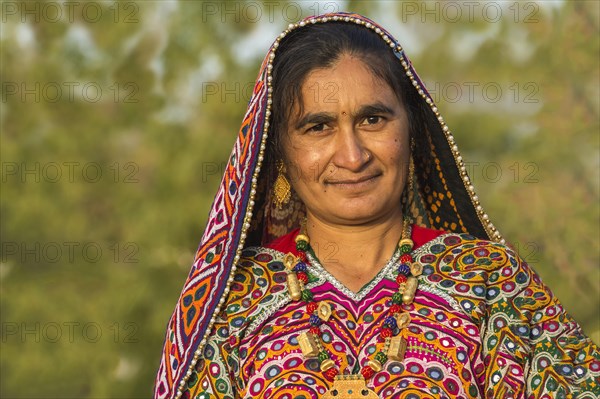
[[117, 119]]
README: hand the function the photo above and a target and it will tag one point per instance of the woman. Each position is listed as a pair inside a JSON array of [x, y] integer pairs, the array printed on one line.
[[347, 255]]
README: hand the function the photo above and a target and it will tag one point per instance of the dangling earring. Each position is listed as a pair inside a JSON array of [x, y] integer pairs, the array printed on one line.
[[282, 189], [411, 167], [411, 175], [408, 195]]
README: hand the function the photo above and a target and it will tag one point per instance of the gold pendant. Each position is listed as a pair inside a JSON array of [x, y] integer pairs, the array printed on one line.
[[324, 311], [402, 320], [294, 287], [308, 344], [289, 261], [397, 348], [410, 288], [350, 387], [416, 269]]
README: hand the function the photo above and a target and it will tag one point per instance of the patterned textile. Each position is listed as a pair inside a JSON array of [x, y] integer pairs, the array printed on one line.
[[241, 216], [483, 326]]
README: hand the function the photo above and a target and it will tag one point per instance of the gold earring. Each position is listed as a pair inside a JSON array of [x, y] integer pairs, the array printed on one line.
[[411, 167], [409, 187], [282, 189], [411, 175]]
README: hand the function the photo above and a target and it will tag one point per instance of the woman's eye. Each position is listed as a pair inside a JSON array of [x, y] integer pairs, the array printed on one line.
[[317, 128], [371, 120]]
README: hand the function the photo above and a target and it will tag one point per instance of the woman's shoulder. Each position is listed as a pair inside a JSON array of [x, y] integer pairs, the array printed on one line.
[[471, 268], [259, 276], [258, 288], [461, 250], [476, 273], [457, 254], [464, 251], [260, 266]]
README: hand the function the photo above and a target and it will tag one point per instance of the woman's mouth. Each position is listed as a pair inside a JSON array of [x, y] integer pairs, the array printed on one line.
[[354, 183]]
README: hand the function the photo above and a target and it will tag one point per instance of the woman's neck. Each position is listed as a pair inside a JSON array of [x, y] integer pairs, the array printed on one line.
[[354, 254]]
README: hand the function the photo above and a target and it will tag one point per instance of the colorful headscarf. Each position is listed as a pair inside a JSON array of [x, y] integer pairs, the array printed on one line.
[[443, 198]]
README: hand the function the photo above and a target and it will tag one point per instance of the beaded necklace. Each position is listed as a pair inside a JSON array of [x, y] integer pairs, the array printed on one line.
[[391, 332]]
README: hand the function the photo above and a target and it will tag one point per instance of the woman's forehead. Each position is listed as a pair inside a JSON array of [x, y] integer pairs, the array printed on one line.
[[348, 82]]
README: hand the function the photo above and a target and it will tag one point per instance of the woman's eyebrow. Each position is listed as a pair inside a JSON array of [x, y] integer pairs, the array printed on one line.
[[315, 118], [373, 109]]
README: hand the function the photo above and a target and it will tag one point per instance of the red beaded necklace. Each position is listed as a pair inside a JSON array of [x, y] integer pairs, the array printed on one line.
[[390, 332]]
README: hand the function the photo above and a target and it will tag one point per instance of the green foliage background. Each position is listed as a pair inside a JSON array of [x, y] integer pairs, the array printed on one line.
[[175, 79]]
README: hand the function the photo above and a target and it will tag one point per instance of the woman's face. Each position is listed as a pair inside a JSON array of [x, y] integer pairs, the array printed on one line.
[[347, 152]]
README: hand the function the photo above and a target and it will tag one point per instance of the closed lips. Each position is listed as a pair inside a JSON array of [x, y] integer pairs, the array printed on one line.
[[353, 181]]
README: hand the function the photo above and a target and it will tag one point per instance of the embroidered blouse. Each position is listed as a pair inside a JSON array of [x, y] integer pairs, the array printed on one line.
[[482, 326]]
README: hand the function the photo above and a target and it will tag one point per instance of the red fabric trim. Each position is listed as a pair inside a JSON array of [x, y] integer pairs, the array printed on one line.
[[420, 236], [285, 243]]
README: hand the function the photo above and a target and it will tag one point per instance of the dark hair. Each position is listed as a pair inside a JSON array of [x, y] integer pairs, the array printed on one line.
[[321, 46]]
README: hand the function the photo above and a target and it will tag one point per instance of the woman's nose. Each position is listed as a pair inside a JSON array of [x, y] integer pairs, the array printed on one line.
[[351, 152]]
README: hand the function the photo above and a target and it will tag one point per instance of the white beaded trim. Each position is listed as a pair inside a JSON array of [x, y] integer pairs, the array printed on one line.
[[268, 311]]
